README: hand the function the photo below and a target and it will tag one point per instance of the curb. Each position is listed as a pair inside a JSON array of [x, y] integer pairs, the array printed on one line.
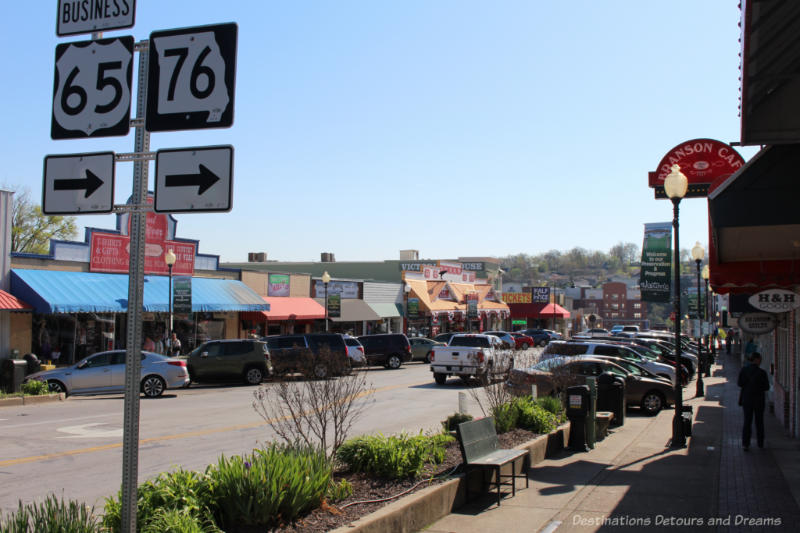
[[31, 400], [416, 511]]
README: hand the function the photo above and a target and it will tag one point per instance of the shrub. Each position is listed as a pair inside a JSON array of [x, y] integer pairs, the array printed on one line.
[[505, 417], [533, 417], [188, 493], [394, 457], [269, 487], [339, 491], [552, 404], [454, 420], [176, 521], [34, 387], [51, 516]]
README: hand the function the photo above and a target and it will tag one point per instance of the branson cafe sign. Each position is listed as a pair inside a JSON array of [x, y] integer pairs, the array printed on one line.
[[775, 301]]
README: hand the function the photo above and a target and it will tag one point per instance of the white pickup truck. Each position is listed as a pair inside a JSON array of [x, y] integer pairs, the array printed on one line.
[[471, 355]]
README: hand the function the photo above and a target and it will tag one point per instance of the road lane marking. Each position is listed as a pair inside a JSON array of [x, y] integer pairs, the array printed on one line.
[[89, 431], [51, 422], [186, 435]]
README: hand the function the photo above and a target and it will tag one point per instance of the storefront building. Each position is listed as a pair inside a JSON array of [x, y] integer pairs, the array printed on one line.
[[534, 308], [292, 310]]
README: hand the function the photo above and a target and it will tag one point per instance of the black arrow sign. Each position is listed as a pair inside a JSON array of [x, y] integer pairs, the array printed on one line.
[[204, 179], [91, 183]]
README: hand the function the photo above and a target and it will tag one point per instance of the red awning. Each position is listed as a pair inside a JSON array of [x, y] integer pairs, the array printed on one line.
[[288, 308], [537, 311], [9, 302]]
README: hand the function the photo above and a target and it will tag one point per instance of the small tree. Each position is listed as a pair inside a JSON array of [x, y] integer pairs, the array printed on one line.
[[317, 412], [31, 230]]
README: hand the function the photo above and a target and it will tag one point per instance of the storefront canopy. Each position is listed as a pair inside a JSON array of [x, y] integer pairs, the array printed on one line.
[[353, 311], [50, 291], [754, 224], [9, 302], [385, 310], [288, 308], [538, 311]]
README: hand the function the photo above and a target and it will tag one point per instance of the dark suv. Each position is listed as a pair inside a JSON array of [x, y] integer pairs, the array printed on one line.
[[387, 349], [312, 354], [229, 360]]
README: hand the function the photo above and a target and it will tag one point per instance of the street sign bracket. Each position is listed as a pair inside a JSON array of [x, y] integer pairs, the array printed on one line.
[[136, 156]]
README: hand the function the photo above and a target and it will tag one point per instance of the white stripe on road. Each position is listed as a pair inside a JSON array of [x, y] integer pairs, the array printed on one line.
[[51, 422], [552, 526]]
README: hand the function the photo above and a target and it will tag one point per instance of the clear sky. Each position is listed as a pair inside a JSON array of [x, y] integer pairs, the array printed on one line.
[[457, 128]]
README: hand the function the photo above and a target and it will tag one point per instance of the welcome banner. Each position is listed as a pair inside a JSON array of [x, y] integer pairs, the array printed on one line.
[[654, 280]]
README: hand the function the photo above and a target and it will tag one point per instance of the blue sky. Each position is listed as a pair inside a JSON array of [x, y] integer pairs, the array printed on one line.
[[457, 128]]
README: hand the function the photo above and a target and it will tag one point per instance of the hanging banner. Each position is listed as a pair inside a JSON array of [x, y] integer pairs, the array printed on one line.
[[182, 295], [334, 305], [655, 275], [278, 285], [413, 308], [472, 305], [692, 302]]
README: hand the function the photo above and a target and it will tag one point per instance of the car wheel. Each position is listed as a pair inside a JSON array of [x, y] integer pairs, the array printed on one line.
[[542, 343], [428, 358], [525, 346], [652, 403], [153, 386], [439, 378], [56, 386], [320, 370], [253, 376], [394, 362]]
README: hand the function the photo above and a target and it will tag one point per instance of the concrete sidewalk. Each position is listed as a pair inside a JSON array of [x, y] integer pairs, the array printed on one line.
[[632, 480]]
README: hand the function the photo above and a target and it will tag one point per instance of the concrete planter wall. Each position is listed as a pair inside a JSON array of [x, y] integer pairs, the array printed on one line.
[[31, 400]]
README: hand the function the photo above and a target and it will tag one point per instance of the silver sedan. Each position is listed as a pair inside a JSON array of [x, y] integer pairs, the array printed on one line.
[[104, 372]]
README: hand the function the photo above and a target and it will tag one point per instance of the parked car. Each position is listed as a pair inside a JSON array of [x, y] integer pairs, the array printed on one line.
[[541, 336], [522, 341], [388, 349], [318, 355], [444, 337], [504, 336], [552, 376], [104, 372], [355, 351], [229, 360], [471, 355], [421, 348]]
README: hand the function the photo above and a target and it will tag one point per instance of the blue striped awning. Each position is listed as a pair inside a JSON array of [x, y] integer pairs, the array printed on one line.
[[51, 291]]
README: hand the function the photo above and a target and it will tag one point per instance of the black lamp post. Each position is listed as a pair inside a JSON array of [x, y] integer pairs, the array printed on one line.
[[710, 357], [697, 254], [326, 278], [675, 185], [169, 259]]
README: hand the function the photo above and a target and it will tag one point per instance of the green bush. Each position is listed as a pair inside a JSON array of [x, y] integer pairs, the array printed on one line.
[[394, 457], [534, 417], [269, 487], [339, 491], [182, 495], [177, 521], [51, 516], [552, 404], [35, 387], [454, 420], [505, 417]]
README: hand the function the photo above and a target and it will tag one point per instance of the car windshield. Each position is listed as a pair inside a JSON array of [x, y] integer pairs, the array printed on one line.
[[614, 369], [548, 364], [630, 367], [352, 342], [644, 352]]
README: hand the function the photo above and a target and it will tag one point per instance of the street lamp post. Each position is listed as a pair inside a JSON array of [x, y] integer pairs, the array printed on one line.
[[705, 274], [675, 185], [326, 278], [169, 259], [697, 254]]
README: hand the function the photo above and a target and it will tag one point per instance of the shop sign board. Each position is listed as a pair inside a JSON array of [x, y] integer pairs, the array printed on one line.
[[519, 322], [92, 89], [757, 323], [517, 297], [89, 16], [182, 294], [347, 289], [278, 285], [474, 266], [654, 278], [444, 294], [110, 252], [540, 295], [775, 301], [77, 184], [413, 266], [194, 179], [447, 274], [472, 305], [413, 308], [703, 162], [334, 305], [192, 73]]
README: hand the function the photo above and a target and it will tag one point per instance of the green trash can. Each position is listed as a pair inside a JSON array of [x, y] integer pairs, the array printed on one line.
[[13, 371]]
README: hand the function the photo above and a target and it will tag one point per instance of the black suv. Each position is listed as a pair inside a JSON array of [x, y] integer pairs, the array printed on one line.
[[312, 354], [229, 360], [387, 349]]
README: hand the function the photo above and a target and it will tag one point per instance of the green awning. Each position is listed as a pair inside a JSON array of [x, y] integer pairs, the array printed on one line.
[[386, 310]]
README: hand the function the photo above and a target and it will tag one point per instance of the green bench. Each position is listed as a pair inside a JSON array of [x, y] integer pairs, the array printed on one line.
[[478, 442]]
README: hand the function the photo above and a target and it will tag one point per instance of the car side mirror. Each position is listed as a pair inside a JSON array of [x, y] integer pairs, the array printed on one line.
[[204, 354], [81, 365]]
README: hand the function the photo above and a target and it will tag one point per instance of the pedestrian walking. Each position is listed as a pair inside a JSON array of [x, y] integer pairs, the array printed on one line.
[[750, 348], [753, 382], [174, 345], [728, 341]]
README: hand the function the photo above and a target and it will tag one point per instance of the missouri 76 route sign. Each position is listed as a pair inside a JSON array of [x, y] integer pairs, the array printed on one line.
[[192, 72], [92, 89]]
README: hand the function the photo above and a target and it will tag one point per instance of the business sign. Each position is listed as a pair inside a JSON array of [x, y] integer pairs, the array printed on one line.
[[278, 285], [347, 289], [440, 273], [182, 294], [540, 295], [702, 161], [775, 301], [757, 323], [192, 72], [472, 305], [475, 266], [78, 184], [92, 89], [413, 308], [89, 16], [413, 266], [517, 297], [444, 294], [194, 179], [693, 300], [654, 277], [334, 305]]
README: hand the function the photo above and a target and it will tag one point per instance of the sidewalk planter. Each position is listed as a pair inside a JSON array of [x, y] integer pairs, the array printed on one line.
[[418, 510]]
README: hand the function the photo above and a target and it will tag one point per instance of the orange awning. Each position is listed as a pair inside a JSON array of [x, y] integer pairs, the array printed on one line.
[[554, 309], [287, 308], [10, 302]]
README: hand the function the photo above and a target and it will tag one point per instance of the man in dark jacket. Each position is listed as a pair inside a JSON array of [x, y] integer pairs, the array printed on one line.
[[754, 383]]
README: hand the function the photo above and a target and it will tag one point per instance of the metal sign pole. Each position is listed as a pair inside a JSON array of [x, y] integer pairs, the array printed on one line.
[[133, 363]]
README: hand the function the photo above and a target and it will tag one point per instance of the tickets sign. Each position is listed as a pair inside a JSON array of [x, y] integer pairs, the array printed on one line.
[[517, 297]]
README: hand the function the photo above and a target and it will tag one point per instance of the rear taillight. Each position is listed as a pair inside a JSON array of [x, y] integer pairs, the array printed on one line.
[[480, 357], [408, 348], [433, 355], [361, 349], [177, 363]]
